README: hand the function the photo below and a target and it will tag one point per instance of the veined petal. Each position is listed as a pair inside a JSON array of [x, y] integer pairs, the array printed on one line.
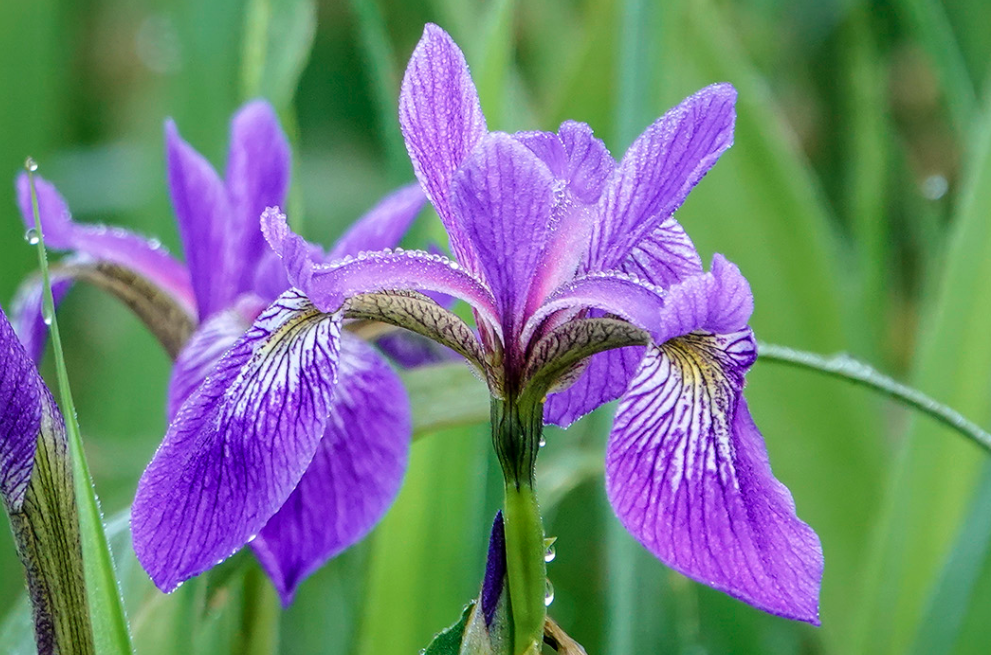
[[687, 473], [145, 257], [26, 314], [258, 169], [604, 379], [664, 257], [442, 121], [383, 226], [202, 210], [503, 195], [329, 285], [21, 390], [574, 156], [658, 171], [206, 346], [638, 302], [239, 445], [353, 478], [719, 301]]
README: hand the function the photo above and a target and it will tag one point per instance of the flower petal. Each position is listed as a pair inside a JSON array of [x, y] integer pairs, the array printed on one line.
[[239, 445], [26, 313], [664, 257], [145, 257], [442, 121], [637, 302], [259, 164], [21, 392], [503, 195], [353, 478], [719, 301], [687, 473], [328, 285], [202, 210], [659, 170], [383, 226], [206, 346], [575, 156]]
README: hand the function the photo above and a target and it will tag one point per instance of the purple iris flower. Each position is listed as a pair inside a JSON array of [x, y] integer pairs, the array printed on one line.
[[584, 289], [353, 472]]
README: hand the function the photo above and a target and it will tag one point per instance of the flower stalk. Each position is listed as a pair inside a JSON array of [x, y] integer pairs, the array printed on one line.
[[517, 425]]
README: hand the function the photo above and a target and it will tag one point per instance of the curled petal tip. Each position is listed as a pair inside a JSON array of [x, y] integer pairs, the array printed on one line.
[[275, 227]]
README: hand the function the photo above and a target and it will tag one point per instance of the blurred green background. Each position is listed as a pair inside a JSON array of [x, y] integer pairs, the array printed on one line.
[[857, 200]]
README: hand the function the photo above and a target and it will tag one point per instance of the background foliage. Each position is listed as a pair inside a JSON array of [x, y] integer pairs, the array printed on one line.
[[857, 200]]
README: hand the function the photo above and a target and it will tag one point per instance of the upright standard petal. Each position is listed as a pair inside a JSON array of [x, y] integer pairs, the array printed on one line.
[[258, 168], [659, 170], [202, 210], [687, 474], [442, 122], [353, 478], [503, 196], [574, 156], [145, 257], [383, 226], [240, 444], [21, 392]]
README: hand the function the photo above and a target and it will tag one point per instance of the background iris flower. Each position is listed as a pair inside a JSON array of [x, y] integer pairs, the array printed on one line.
[[563, 254], [206, 304]]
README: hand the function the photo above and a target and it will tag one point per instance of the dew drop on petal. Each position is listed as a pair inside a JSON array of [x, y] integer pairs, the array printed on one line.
[[32, 236]]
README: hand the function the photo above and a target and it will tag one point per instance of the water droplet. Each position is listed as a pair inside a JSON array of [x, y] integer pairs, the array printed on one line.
[[548, 593], [47, 314], [32, 236], [542, 442], [30, 164], [550, 553]]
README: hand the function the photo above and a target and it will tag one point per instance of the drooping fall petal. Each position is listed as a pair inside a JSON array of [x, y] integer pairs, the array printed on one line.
[[353, 478], [239, 445]]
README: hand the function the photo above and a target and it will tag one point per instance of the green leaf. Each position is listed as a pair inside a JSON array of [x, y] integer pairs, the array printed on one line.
[[952, 598], [278, 37], [110, 629], [444, 396], [936, 473], [448, 642]]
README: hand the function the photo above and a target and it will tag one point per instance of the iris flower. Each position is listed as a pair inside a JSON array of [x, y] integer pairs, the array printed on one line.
[[584, 289], [230, 275]]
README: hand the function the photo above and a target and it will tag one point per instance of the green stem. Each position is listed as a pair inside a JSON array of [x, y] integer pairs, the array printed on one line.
[[109, 622], [261, 613], [847, 368], [517, 426]]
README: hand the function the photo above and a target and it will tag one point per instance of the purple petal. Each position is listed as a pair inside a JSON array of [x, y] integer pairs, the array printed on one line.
[[604, 379], [206, 346], [383, 226], [21, 390], [503, 195], [27, 317], [664, 257], [202, 210], [442, 122], [116, 245], [659, 170], [410, 350], [632, 300], [328, 285], [258, 168], [575, 156], [687, 473], [239, 445], [717, 301], [353, 478]]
